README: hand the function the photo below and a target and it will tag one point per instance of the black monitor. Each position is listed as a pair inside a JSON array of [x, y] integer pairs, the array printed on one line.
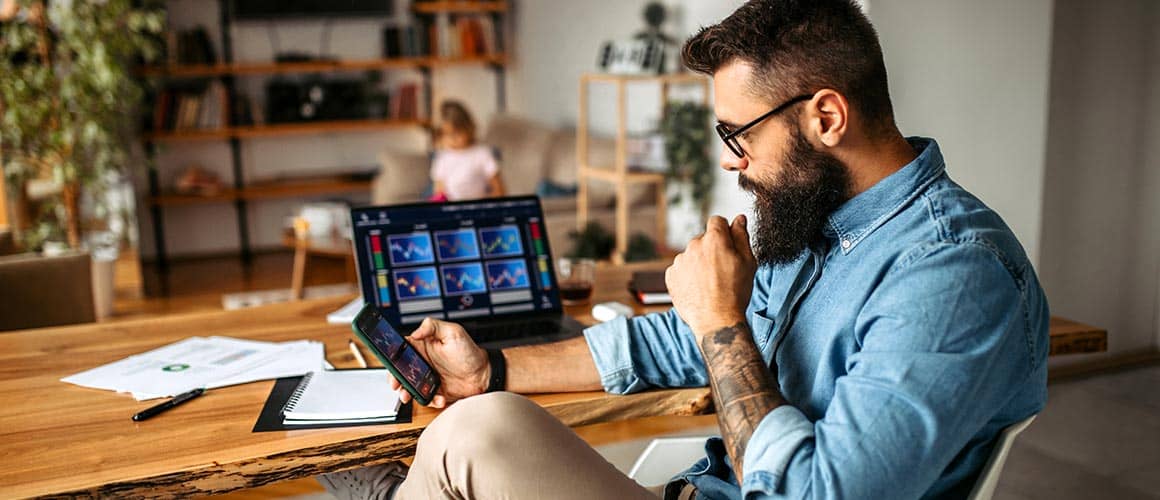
[[455, 260]]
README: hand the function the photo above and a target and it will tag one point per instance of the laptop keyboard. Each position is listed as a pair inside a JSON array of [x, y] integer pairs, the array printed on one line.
[[514, 330]]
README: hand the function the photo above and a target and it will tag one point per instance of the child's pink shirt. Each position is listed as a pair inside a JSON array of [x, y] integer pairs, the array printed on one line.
[[464, 173]]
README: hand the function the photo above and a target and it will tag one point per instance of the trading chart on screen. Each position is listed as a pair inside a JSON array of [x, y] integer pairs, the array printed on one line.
[[455, 260]]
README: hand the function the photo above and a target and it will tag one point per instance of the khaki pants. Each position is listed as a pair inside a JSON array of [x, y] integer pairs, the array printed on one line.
[[501, 445]]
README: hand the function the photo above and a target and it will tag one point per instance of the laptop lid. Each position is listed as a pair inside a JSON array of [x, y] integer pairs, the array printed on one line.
[[457, 261]]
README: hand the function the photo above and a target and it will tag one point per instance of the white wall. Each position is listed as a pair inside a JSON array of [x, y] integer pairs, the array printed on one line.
[[1100, 244], [955, 67], [974, 75]]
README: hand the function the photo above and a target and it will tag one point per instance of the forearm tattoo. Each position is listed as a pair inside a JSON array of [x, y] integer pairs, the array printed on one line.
[[744, 389]]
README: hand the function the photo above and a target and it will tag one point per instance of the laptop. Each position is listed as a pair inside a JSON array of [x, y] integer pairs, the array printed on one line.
[[485, 264]]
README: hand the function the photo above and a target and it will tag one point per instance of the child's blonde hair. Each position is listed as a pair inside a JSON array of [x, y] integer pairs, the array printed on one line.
[[456, 114]]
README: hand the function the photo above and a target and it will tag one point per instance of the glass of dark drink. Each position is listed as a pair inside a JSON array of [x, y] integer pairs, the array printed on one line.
[[576, 277]]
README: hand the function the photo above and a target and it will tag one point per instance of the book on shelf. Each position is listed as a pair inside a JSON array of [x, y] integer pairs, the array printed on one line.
[[406, 41], [189, 47], [191, 108], [404, 102]]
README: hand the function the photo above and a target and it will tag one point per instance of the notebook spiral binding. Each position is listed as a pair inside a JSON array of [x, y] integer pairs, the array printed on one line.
[[298, 391]]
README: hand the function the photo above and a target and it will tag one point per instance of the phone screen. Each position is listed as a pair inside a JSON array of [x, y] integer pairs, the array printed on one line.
[[392, 348]]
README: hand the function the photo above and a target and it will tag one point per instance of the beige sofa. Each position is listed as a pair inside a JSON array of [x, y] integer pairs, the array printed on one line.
[[529, 154]]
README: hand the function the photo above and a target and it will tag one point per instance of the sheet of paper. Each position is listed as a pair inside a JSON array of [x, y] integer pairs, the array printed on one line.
[[200, 362]]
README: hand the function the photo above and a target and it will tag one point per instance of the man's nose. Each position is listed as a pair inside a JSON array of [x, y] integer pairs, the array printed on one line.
[[731, 162]]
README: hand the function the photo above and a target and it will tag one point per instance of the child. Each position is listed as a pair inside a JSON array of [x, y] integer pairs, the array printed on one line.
[[462, 169]]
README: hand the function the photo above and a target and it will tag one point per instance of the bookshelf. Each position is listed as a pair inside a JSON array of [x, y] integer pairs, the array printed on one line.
[[432, 21], [619, 173]]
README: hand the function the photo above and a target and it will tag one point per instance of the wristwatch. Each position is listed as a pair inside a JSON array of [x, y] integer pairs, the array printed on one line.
[[498, 370]]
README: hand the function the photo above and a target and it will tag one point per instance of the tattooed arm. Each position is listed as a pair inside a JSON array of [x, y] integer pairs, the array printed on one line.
[[744, 389], [711, 283]]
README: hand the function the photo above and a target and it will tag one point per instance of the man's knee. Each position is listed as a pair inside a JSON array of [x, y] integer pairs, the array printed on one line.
[[480, 421]]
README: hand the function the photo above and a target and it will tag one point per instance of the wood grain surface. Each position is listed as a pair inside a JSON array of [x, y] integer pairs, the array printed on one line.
[[60, 439]]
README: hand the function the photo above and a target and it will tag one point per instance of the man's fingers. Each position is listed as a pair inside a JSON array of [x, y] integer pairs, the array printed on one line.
[[395, 385], [717, 230], [404, 396], [740, 235], [438, 401], [426, 329]]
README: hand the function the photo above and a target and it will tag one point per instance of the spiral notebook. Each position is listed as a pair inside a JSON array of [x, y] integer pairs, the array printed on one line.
[[342, 395], [332, 398]]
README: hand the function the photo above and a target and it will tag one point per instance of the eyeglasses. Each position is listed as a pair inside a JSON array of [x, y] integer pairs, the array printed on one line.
[[730, 136]]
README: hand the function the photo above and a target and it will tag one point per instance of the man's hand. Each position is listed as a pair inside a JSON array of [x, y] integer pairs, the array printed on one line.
[[712, 280], [461, 364]]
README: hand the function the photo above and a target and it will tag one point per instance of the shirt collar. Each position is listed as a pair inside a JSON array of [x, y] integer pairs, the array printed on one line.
[[861, 215]]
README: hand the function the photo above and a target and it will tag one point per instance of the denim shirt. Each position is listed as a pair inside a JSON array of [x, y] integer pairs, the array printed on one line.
[[903, 344]]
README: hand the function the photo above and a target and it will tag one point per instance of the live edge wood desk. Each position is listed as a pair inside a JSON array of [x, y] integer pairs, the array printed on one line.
[[59, 439]]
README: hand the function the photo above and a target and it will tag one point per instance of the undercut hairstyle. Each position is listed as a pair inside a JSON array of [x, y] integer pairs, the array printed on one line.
[[800, 47]]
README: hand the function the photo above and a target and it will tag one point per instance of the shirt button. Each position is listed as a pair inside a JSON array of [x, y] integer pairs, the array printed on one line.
[[846, 244]]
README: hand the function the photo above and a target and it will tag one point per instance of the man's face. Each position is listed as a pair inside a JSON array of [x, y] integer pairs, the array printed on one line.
[[795, 186]]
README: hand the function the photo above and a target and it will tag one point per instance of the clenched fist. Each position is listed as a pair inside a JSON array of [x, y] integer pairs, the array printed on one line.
[[712, 280]]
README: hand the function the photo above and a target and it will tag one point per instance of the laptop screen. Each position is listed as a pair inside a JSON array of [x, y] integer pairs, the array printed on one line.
[[456, 260]]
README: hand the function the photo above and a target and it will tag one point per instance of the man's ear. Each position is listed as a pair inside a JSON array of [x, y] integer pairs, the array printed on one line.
[[829, 115]]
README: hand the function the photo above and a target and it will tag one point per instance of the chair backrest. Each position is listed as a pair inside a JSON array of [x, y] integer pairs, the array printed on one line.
[[665, 458], [40, 291], [985, 486]]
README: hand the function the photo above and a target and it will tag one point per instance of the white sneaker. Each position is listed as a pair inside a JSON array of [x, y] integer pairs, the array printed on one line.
[[368, 483]]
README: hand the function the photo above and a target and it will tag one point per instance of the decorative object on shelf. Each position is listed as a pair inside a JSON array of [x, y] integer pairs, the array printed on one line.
[[685, 126], [649, 52], [197, 181], [593, 242], [68, 66]]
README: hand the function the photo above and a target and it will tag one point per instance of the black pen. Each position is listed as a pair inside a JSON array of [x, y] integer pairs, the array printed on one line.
[[178, 399]]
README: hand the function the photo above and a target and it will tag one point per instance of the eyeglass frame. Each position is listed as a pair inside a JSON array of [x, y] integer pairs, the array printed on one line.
[[729, 137]]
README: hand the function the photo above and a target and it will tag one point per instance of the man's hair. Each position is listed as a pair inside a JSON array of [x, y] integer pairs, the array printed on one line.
[[456, 114], [798, 47]]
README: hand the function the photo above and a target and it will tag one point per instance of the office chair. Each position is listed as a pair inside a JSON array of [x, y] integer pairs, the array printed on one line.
[[666, 457], [38, 291]]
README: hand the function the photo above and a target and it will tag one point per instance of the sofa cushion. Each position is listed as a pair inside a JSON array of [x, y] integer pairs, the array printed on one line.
[[523, 146], [402, 177]]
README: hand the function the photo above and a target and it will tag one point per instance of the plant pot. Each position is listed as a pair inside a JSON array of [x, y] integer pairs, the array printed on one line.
[[685, 220], [103, 271], [19, 210]]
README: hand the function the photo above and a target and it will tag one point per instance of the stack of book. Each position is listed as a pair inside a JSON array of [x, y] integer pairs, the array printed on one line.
[[649, 288], [466, 36], [191, 108]]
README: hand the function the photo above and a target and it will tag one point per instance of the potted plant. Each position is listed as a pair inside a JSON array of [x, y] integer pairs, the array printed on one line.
[[685, 127], [68, 104]]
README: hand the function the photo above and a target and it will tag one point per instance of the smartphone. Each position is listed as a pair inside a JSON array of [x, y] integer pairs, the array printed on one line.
[[404, 362]]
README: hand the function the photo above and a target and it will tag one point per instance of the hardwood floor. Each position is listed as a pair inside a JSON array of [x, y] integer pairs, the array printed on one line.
[[198, 284]]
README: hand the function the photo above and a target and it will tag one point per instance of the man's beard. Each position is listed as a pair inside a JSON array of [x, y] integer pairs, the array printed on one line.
[[791, 211]]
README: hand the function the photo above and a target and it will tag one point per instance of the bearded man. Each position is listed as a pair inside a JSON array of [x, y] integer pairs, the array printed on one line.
[[872, 341]]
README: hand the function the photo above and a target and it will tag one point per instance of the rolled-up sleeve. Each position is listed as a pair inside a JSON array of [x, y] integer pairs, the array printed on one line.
[[655, 350], [944, 342], [659, 350]]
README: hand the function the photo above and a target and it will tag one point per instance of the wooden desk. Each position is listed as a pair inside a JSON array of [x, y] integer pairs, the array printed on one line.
[[59, 439], [56, 438]]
